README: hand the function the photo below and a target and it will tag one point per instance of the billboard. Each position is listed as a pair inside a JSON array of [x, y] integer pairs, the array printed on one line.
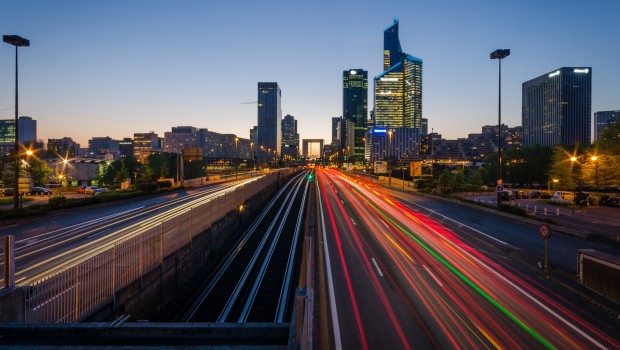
[[381, 168], [415, 169]]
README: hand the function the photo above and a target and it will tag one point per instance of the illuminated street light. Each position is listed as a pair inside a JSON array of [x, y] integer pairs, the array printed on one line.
[[499, 55], [16, 41]]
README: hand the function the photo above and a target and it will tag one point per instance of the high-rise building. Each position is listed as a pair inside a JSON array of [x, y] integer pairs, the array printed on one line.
[[290, 137], [336, 133], [63, 148], [398, 90], [99, 146], [556, 107], [269, 119], [145, 144], [179, 137], [125, 147], [604, 119], [27, 134], [355, 109]]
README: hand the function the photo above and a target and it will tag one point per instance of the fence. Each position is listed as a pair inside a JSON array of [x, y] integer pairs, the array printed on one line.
[[72, 292]]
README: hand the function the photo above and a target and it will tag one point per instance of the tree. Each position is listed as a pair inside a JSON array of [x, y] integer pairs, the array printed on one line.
[[38, 171], [458, 181], [123, 174], [444, 181], [609, 140], [475, 182], [562, 168]]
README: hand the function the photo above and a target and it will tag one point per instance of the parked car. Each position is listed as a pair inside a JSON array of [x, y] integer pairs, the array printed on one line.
[[95, 190], [40, 190], [506, 195], [80, 189], [7, 191], [540, 194], [583, 199], [519, 194], [613, 201]]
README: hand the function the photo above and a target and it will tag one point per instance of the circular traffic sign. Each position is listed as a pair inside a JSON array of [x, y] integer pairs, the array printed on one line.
[[544, 230]]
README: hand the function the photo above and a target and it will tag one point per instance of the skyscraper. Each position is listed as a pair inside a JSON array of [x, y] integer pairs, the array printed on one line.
[[290, 137], [336, 122], [269, 118], [398, 90], [604, 119], [556, 107], [355, 109], [27, 134]]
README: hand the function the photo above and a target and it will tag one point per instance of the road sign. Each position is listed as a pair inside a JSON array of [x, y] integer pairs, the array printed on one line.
[[545, 231], [500, 188]]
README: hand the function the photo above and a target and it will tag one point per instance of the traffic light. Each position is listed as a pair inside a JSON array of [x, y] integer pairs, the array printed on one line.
[[310, 177]]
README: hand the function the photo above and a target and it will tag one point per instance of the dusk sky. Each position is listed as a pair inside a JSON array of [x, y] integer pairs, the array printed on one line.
[[112, 68]]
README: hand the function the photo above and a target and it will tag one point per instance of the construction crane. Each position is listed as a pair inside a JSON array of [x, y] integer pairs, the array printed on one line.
[[249, 103]]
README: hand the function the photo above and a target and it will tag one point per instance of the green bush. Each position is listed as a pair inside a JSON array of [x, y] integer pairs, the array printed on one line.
[[146, 187], [164, 184], [57, 202]]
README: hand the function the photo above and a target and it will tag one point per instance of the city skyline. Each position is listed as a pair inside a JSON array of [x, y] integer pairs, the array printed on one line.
[[113, 69]]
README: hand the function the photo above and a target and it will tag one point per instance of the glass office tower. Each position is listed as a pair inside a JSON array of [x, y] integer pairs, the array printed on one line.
[[269, 119], [290, 137], [355, 109], [603, 119], [556, 107], [398, 90]]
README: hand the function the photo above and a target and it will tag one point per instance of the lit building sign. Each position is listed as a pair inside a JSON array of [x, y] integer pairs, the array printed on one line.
[[379, 131], [353, 72], [577, 70], [389, 79], [557, 72]]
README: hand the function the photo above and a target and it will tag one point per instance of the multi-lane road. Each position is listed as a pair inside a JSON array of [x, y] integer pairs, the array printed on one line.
[[46, 243], [410, 274]]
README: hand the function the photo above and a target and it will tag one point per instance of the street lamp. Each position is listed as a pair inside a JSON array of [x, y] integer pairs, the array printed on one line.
[[595, 160], [573, 160], [16, 41], [499, 54]]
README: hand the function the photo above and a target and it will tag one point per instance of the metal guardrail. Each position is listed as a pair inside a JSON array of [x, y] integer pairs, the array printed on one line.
[[71, 292]]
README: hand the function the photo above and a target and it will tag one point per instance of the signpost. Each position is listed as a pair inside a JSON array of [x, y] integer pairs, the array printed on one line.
[[545, 232]]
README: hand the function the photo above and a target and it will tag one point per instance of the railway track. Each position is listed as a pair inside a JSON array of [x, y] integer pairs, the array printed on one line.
[[255, 282]]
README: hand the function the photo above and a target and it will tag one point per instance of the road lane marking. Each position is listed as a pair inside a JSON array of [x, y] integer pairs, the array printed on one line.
[[377, 266], [330, 281], [466, 226], [341, 201], [353, 222], [432, 275]]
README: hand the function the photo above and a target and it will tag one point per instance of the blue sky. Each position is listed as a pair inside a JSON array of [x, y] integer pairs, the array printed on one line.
[[112, 68]]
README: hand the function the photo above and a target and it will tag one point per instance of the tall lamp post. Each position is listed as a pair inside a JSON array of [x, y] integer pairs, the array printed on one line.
[[595, 160], [16, 41], [499, 54]]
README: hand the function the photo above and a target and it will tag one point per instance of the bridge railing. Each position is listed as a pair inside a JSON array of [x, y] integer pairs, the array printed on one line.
[[71, 292]]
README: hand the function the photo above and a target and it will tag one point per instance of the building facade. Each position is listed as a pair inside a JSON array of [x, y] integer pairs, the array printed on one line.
[[269, 121], [179, 137], [355, 110], [27, 134], [144, 144], [64, 147], [398, 90], [556, 107], [290, 137], [604, 119], [100, 146]]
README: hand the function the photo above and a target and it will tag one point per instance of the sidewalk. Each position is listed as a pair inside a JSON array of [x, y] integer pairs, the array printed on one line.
[[596, 223]]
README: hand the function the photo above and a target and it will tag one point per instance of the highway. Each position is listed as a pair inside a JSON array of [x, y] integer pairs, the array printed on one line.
[[46, 244], [401, 279]]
